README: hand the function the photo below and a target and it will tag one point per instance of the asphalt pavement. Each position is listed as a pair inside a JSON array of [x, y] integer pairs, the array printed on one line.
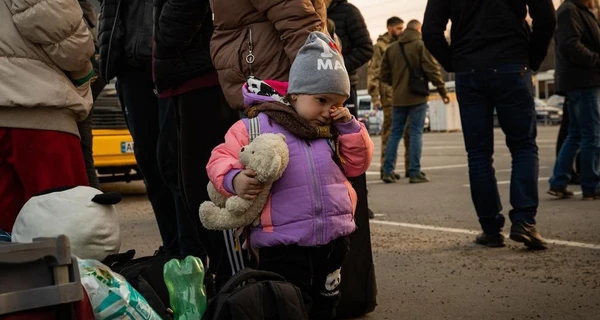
[[426, 263]]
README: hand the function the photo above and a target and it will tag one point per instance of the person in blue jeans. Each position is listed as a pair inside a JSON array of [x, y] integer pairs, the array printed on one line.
[[401, 57], [493, 53], [578, 74]]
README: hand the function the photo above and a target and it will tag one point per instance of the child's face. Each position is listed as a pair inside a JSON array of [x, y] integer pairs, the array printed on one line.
[[316, 109]]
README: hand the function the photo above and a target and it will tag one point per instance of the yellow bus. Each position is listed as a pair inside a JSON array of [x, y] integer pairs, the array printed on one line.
[[113, 144]]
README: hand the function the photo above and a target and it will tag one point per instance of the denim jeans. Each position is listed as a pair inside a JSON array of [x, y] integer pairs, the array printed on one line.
[[509, 90], [416, 116], [584, 133], [154, 131]]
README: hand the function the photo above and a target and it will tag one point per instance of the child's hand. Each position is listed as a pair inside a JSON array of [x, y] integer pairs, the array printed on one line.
[[246, 186], [340, 114]]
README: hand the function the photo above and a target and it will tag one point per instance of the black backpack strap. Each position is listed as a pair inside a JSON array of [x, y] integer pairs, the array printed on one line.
[[116, 261], [276, 291], [248, 274]]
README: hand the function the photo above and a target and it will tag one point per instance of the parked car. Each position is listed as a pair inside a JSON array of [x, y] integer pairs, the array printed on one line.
[[556, 101], [546, 114], [371, 118]]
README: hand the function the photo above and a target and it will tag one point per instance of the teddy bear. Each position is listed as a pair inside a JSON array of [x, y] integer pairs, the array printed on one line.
[[268, 155]]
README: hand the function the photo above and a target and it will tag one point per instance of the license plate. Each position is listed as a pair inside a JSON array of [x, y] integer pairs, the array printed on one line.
[[127, 147]]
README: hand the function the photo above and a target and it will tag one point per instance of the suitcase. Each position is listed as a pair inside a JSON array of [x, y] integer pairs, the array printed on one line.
[[40, 280], [358, 287]]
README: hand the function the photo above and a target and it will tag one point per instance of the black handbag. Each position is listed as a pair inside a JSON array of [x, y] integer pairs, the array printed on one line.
[[418, 82]]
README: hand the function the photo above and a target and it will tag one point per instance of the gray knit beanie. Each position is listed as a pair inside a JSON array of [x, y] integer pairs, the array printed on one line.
[[319, 68]]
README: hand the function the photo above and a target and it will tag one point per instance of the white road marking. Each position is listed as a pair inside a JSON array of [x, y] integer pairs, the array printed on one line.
[[473, 232], [508, 182]]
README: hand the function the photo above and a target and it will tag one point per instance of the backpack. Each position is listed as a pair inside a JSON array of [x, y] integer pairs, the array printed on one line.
[[146, 276], [257, 295]]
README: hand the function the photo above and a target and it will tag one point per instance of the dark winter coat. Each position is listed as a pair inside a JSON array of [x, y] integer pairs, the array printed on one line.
[[577, 47], [182, 32], [487, 34], [276, 29], [124, 36], [350, 26]]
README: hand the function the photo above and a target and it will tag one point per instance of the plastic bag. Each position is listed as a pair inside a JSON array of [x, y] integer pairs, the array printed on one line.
[[111, 295], [185, 282]]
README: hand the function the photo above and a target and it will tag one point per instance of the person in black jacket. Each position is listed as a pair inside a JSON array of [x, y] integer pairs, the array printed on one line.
[[493, 53], [357, 46], [578, 75], [125, 38], [188, 87]]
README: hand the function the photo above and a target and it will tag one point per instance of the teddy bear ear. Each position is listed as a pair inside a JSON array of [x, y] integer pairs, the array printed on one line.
[[282, 136]]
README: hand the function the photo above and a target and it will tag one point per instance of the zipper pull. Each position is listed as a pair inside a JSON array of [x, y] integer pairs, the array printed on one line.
[[250, 58]]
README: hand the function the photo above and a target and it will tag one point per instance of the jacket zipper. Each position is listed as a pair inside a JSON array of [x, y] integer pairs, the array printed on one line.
[[315, 189], [112, 32], [250, 58]]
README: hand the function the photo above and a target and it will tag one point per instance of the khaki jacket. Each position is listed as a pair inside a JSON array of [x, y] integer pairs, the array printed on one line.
[[380, 92], [394, 70], [276, 28], [43, 45]]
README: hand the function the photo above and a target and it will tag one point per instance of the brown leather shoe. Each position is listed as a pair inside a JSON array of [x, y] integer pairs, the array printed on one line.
[[527, 234]]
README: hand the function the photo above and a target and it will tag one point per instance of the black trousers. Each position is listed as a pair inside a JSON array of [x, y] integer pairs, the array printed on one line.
[[85, 132], [203, 118], [316, 271]]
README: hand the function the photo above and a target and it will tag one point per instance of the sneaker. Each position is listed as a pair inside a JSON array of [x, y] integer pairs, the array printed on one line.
[[420, 178], [526, 233], [560, 193], [397, 176], [371, 214], [593, 196], [389, 178], [494, 240]]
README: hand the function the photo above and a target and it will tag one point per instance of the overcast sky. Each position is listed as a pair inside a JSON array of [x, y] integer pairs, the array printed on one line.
[[376, 12]]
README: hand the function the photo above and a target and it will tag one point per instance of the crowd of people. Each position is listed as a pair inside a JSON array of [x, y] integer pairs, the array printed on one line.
[[186, 72]]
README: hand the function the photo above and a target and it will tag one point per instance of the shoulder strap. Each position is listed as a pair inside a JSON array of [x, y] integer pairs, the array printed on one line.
[[253, 128], [404, 55], [247, 274]]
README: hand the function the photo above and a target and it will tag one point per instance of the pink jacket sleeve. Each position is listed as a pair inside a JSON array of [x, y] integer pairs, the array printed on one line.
[[356, 147], [225, 157]]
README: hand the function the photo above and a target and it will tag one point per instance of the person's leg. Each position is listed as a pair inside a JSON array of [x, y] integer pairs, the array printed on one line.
[[85, 132], [477, 117], [140, 104], [588, 113], [416, 119], [513, 98], [399, 116], [326, 266], [567, 153], [512, 89], [294, 263], [167, 154], [407, 142], [564, 126], [196, 144], [385, 133], [55, 161]]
